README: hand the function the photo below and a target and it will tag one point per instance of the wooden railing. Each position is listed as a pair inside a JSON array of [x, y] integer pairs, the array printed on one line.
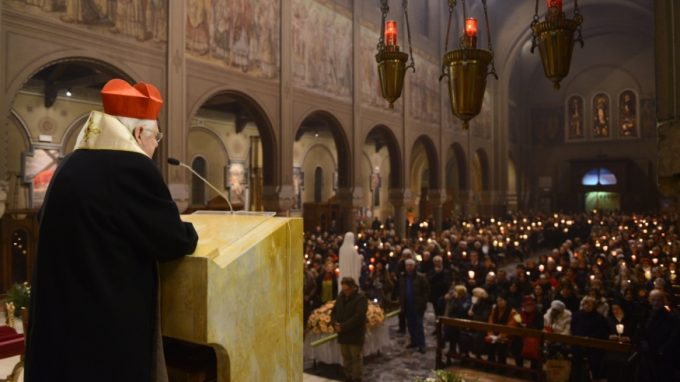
[[611, 346]]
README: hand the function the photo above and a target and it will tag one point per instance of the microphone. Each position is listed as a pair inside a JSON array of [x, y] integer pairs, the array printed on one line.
[[177, 162]]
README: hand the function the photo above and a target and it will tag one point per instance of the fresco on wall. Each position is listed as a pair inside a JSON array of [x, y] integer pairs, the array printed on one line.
[[322, 46], [39, 166], [423, 93], [601, 128], [480, 126], [371, 94], [628, 117], [240, 34], [237, 182], [546, 126], [136, 19], [575, 117]]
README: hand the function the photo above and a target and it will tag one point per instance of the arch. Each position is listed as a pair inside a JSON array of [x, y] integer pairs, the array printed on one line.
[[432, 159], [270, 151], [22, 127], [79, 56], [396, 163], [599, 176], [72, 132], [342, 146], [324, 148], [483, 159], [213, 135]]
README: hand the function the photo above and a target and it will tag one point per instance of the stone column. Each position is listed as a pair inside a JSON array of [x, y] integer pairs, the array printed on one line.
[[350, 202], [4, 119], [436, 198], [284, 200], [175, 101], [667, 65], [399, 199]]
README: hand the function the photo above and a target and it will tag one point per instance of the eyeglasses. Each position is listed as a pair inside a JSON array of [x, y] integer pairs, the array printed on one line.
[[158, 137]]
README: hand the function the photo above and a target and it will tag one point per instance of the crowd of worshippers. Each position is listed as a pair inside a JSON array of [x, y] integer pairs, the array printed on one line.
[[605, 276]]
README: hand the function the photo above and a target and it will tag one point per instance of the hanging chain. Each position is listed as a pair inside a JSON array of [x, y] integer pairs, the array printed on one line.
[[534, 37], [579, 19], [412, 65], [452, 5], [461, 40], [488, 36], [384, 8]]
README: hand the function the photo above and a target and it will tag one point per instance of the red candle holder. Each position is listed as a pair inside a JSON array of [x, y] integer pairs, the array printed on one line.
[[391, 33]]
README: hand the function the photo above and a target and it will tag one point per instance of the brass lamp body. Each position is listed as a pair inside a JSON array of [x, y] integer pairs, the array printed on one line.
[[556, 43], [467, 70], [391, 70]]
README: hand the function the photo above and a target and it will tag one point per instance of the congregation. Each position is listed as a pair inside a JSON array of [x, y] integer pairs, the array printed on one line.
[[598, 275]]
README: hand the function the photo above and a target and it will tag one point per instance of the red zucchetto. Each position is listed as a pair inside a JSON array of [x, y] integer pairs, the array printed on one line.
[[142, 101]]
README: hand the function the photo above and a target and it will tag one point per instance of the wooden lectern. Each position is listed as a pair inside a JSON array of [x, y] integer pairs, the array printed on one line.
[[241, 294]]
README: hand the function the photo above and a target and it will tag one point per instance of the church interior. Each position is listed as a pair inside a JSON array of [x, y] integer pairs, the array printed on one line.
[[285, 106]]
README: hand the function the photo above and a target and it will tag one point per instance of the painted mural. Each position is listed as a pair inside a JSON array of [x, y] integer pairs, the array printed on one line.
[[601, 116], [628, 116], [322, 48], [371, 94], [142, 20], [423, 92], [240, 34]]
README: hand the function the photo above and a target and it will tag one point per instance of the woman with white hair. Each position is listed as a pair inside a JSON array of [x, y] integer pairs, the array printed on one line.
[[480, 307]]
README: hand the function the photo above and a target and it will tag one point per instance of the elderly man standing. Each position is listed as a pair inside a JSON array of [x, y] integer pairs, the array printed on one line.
[[415, 292], [107, 219], [349, 320]]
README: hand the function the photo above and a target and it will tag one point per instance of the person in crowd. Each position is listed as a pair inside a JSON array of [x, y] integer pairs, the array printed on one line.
[[659, 341], [557, 319], [439, 279], [498, 343], [588, 322], [622, 328], [457, 306], [309, 293], [107, 220], [415, 292], [349, 321], [327, 283], [528, 347], [480, 308]]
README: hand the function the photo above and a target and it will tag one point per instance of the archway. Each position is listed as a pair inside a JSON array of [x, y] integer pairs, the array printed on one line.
[[424, 175], [321, 152], [382, 171], [48, 112], [234, 134]]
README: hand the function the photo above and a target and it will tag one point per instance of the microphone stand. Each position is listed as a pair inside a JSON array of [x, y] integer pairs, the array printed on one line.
[[220, 193]]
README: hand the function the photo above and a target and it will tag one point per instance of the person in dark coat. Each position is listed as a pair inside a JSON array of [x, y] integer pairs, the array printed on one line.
[[349, 320], [415, 292], [587, 322], [659, 341], [107, 219], [440, 283]]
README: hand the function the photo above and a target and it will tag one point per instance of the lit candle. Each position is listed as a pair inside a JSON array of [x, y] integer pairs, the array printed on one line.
[[559, 268], [632, 257], [675, 259], [619, 329], [391, 33], [471, 274], [558, 4], [371, 267], [541, 268], [655, 260], [471, 27]]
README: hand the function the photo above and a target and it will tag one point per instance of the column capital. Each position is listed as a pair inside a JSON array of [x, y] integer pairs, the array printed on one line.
[[278, 199], [399, 197]]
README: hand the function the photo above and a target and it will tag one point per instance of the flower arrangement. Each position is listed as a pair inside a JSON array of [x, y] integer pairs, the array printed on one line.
[[20, 296], [442, 376], [320, 319]]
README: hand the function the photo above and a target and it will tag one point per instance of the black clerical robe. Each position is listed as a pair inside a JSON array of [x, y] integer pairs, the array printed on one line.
[[107, 220]]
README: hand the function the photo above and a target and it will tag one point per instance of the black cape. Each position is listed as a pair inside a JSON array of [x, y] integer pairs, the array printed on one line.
[[107, 219]]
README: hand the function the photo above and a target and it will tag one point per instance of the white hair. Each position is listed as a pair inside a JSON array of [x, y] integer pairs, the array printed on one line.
[[132, 123], [410, 261]]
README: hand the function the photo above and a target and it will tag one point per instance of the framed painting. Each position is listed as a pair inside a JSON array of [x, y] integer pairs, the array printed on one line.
[[38, 167]]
